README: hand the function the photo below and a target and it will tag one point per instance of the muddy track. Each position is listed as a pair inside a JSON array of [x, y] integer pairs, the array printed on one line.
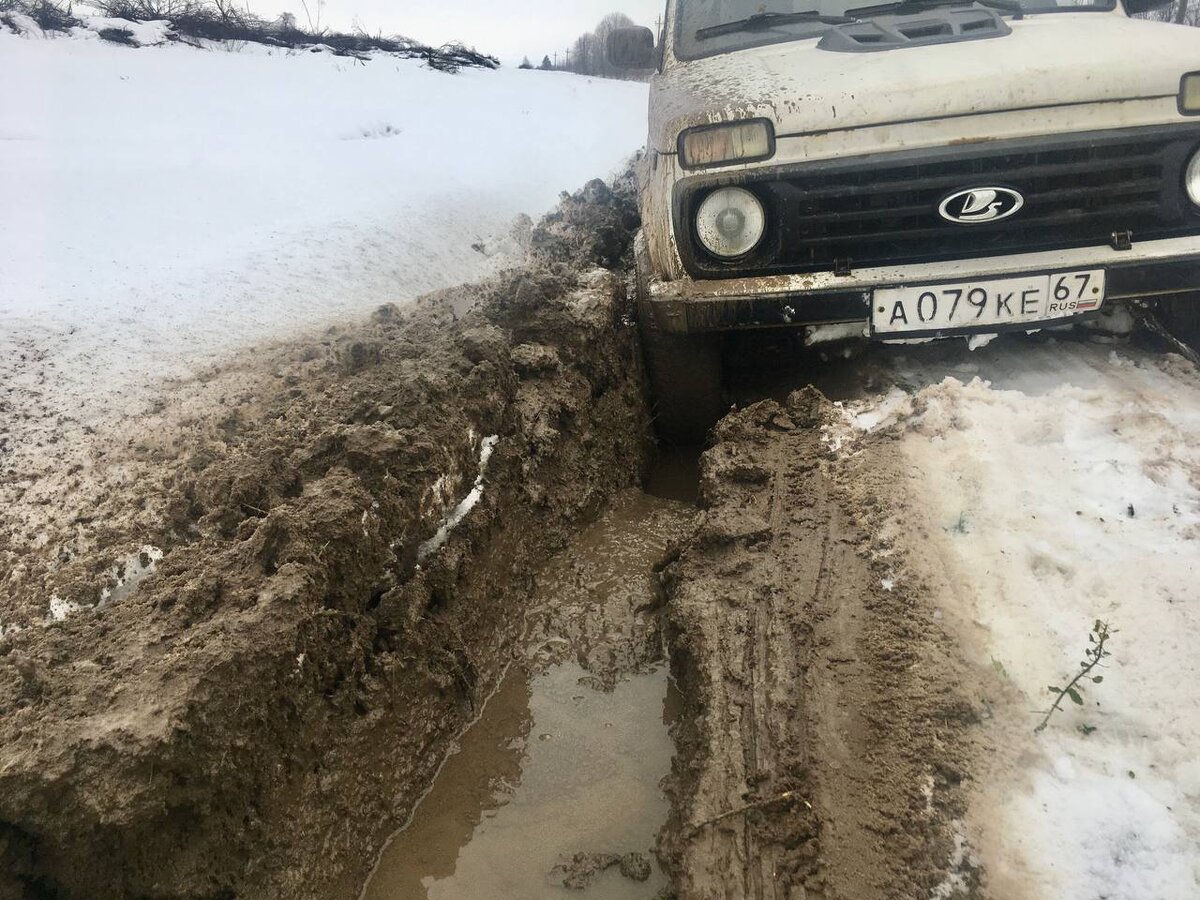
[[241, 637], [826, 743], [262, 709]]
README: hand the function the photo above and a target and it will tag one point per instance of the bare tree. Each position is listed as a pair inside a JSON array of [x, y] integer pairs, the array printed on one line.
[[589, 54], [313, 26], [607, 26], [229, 12], [1181, 12], [583, 54], [142, 10]]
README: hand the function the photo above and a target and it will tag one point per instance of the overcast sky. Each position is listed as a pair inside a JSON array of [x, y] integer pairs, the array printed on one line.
[[509, 29]]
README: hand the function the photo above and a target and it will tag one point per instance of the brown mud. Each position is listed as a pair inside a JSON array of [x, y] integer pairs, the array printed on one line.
[[557, 787], [828, 726], [251, 714], [240, 637]]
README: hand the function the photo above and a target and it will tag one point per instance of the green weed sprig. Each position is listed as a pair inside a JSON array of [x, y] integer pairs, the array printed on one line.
[[1093, 656]]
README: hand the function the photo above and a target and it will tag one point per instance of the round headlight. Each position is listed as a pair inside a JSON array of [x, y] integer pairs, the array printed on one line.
[[730, 222], [1192, 178]]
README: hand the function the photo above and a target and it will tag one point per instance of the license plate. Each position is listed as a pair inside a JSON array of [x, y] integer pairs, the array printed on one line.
[[972, 305]]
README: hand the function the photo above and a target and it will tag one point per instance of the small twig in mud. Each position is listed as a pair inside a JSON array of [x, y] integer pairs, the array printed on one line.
[[786, 796], [1092, 658]]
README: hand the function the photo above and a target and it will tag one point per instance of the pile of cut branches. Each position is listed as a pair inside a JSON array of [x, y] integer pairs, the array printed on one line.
[[223, 20]]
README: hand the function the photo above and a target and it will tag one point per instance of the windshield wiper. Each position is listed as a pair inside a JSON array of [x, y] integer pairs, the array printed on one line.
[[906, 6], [765, 20]]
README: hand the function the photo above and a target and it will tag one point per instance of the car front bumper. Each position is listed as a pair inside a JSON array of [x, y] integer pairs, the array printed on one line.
[[1151, 269]]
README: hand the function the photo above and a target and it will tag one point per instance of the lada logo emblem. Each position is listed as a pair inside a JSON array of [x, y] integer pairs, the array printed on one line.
[[980, 205]]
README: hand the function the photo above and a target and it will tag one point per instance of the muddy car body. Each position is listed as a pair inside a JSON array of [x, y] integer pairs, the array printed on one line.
[[907, 171]]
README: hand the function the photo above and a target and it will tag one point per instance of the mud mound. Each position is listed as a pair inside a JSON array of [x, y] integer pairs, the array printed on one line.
[[287, 604], [592, 227], [825, 745]]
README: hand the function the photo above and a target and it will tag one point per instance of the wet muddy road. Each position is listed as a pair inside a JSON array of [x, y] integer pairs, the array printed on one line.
[[551, 767], [410, 605], [557, 786], [806, 743]]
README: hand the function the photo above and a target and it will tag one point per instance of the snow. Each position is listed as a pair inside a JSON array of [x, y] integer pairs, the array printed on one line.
[[468, 503], [164, 205], [131, 572], [955, 884], [827, 334], [125, 577], [60, 609], [24, 26], [1061, 484], [146, 34]]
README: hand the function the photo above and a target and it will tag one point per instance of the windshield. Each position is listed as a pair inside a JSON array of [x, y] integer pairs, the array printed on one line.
[[708, 27]]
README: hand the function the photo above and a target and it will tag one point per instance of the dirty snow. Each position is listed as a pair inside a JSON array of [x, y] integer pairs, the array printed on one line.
[[979, 341], [145, 34], [60, 609], [1055, 485], [827, 334], [131, 572], [165, 204], [467, 504]]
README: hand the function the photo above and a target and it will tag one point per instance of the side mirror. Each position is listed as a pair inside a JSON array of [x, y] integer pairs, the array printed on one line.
[[1136, 7], [632, 48]]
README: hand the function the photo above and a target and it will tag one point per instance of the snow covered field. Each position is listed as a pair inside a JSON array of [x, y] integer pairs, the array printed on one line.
[[165, 204], [1050, 486]]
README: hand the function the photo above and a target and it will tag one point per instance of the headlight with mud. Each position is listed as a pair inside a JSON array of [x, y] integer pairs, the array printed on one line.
[[730, 222]]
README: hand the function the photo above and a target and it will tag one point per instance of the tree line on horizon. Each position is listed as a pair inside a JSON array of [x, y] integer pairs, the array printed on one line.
[[1181, 12], [588, 54]]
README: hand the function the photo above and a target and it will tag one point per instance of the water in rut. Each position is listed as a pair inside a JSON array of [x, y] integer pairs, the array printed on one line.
[[558, 782]]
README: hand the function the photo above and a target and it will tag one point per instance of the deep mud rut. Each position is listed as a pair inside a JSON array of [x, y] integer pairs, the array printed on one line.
[[556, 787], [242, 639], [237, 644]]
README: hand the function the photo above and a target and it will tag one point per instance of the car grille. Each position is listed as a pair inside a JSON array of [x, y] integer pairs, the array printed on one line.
[[884, 209]]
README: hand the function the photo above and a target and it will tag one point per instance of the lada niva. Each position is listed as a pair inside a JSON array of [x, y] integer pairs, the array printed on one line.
[[907, 170]]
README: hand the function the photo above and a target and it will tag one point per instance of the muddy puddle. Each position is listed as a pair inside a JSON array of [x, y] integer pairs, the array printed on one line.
[[555, 790]]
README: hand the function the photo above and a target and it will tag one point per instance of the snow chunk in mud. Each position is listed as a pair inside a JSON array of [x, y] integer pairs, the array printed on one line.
[[468, 503]]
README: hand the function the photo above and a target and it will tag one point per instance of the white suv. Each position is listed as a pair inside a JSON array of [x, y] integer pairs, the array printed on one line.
[[912, 169]]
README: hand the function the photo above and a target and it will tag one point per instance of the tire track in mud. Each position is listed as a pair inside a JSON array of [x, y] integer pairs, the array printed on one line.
[[827, 737]]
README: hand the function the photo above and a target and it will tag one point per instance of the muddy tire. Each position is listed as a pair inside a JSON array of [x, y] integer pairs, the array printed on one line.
[[685, 382], [1181, 317], [684, 370]]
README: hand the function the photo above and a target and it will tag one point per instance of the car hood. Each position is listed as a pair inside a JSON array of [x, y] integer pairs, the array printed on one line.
[[1048, 60]]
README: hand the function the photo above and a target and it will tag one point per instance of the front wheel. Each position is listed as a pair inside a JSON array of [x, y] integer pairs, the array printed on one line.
[[685, 382]]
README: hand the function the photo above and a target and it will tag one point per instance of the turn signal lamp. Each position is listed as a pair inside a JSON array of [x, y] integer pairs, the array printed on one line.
[[716, 145], [1189, 95]]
